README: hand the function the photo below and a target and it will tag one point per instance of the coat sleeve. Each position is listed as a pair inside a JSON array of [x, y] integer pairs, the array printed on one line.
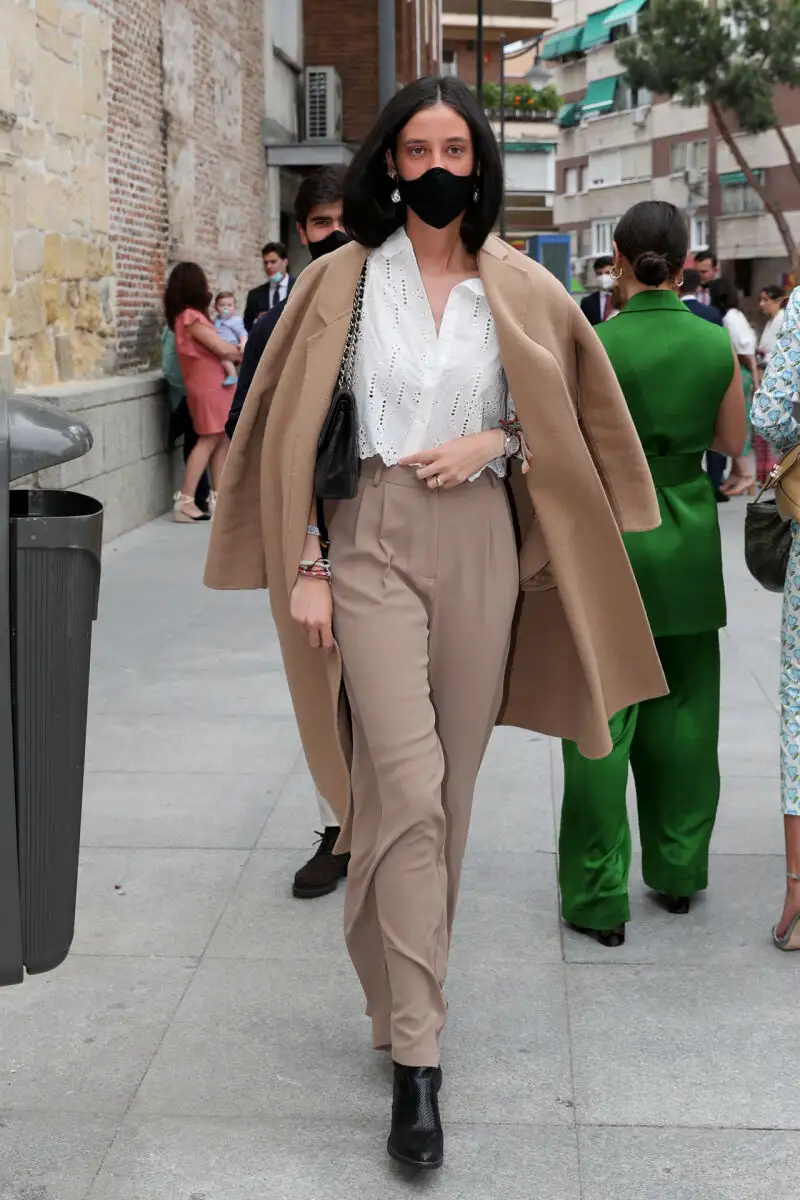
[[610, 433], [236, 549]]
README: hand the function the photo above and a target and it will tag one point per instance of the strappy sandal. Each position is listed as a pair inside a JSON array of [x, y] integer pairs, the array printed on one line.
[[180, 514], [790, 940]]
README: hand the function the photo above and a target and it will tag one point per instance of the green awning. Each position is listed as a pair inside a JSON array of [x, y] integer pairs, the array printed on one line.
[[567, 41], [595, 31], [622, 14], [600, 94], [729, 178], [529, 147], [569, 114]]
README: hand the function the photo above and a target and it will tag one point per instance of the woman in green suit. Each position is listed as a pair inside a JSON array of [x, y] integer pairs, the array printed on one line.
[[683, 387]]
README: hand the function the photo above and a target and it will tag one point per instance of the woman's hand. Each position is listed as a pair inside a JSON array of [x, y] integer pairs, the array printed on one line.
[[455, 462], [311, 605]]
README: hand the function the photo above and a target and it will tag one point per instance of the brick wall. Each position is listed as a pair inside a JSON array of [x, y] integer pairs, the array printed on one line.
[[354, 51], [136, 161], [186, 160]]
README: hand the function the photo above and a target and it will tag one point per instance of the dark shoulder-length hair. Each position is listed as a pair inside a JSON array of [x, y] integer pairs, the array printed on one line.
[[370, 216], [187, 287], [724, 295]]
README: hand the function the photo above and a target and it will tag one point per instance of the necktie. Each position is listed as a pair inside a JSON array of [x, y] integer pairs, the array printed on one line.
[[273, 294]]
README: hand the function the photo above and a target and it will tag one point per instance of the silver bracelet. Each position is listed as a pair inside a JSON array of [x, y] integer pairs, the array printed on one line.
[[313, 530]]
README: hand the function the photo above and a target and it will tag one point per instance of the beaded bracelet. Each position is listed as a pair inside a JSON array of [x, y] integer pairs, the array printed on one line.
[[319, 568]]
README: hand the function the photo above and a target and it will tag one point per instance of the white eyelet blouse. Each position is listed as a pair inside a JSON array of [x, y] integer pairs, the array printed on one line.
[[415, 390]]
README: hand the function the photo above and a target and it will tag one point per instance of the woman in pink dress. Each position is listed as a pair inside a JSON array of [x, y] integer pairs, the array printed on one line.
[[200, 354]]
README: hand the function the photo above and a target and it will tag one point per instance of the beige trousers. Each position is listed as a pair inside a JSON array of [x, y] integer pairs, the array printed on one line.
[[424, 587]]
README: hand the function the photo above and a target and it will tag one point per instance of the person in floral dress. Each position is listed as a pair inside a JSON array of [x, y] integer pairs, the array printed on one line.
[[773, 418]]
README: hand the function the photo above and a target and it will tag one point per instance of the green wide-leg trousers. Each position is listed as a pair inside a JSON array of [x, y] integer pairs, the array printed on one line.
[[672, 745]]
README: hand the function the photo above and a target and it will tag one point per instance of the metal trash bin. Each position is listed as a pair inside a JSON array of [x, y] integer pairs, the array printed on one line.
[[49, 582]]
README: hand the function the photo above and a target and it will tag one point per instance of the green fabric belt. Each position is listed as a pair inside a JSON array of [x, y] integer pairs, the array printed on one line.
[[674, 469]]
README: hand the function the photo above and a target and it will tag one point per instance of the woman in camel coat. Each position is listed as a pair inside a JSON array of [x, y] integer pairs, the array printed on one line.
[[426, 590]]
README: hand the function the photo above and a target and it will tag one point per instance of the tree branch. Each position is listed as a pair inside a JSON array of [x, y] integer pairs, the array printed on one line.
[[772, 207], [790, 154]]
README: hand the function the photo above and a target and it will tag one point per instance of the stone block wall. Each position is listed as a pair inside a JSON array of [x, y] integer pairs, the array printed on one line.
[[128, 468], [130, 137], [56, 268]]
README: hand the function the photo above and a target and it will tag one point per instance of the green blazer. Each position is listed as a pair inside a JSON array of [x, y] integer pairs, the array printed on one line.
[[674, 369]]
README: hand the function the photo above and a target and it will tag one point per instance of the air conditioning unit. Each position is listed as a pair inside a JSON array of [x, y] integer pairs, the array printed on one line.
[[641, 114], [696, 181], [323, 107]]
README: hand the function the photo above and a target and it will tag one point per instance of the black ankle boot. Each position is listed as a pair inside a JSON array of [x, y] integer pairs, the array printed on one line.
[[416, 1138], [678, 906]]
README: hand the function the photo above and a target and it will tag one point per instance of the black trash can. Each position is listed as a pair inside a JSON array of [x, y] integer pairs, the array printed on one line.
[[50, 545], [55, 580]]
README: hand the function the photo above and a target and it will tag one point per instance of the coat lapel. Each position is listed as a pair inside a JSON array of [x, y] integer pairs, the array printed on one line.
[[324, 352]]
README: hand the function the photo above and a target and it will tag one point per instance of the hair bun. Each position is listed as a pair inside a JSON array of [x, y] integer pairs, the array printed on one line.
[[651, 268]]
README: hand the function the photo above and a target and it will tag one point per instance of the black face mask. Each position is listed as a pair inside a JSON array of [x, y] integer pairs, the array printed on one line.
[[438, 197], [332, 242]]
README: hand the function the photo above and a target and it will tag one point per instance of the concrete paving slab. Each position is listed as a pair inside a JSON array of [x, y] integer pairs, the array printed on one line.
[[57, 1157], [506, 910], [192, 810], [165, 1159], [724, 926], [694, 1047], [255, 692], [254, 1039], [159, 902], [688, 1164], [262, 919], [185, 743], [80, 1039], [506, 1046]]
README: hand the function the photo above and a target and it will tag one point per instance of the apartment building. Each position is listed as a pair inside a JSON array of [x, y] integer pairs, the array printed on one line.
[[530, 134], [617, 146]]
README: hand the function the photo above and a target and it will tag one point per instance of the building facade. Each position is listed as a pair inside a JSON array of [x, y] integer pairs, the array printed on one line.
[[617, 147], [512, 31], [130, 137]]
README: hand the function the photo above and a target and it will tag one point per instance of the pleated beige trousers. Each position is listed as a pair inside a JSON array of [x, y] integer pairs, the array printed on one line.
[[424, 586]]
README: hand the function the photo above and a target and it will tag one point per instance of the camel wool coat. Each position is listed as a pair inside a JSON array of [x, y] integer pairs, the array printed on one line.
[[581, 645]]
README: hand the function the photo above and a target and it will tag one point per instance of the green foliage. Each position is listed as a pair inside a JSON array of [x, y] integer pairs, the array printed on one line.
[[732, 55], [521, 98]]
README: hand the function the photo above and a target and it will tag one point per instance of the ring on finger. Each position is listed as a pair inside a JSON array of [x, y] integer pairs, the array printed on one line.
[[439, 481]]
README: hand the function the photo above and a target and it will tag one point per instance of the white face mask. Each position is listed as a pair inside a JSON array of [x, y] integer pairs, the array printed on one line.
[[606, 282]]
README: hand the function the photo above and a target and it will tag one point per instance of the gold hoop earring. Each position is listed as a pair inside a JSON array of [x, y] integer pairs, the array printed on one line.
[[616, 274]]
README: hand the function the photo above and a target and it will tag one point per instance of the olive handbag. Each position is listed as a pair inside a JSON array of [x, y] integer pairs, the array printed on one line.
[[768, 524]]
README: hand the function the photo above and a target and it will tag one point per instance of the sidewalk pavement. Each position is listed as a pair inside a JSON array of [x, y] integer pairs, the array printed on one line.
[[205, 1039]]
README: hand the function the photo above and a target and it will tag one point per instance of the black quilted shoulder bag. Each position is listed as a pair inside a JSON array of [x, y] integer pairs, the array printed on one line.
[[336, 473]]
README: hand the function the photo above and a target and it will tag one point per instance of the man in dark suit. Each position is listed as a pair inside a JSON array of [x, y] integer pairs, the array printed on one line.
[[689, 289], [279, 283], [692, 283], [598, 306], [318, 209]]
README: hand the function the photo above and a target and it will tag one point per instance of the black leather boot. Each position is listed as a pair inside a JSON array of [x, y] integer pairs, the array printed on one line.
[[416, 1138]]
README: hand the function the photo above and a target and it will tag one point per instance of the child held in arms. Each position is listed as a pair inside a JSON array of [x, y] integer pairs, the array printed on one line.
[[230, 327]]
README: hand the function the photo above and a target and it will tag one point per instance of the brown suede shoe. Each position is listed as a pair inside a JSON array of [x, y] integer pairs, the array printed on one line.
[[321, 874]]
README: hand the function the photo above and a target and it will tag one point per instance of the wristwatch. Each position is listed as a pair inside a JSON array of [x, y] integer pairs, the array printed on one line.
[[512, 445]]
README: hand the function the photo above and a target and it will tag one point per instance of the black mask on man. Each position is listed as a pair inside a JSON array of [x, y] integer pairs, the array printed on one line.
[[327, 244], [438, 196]]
